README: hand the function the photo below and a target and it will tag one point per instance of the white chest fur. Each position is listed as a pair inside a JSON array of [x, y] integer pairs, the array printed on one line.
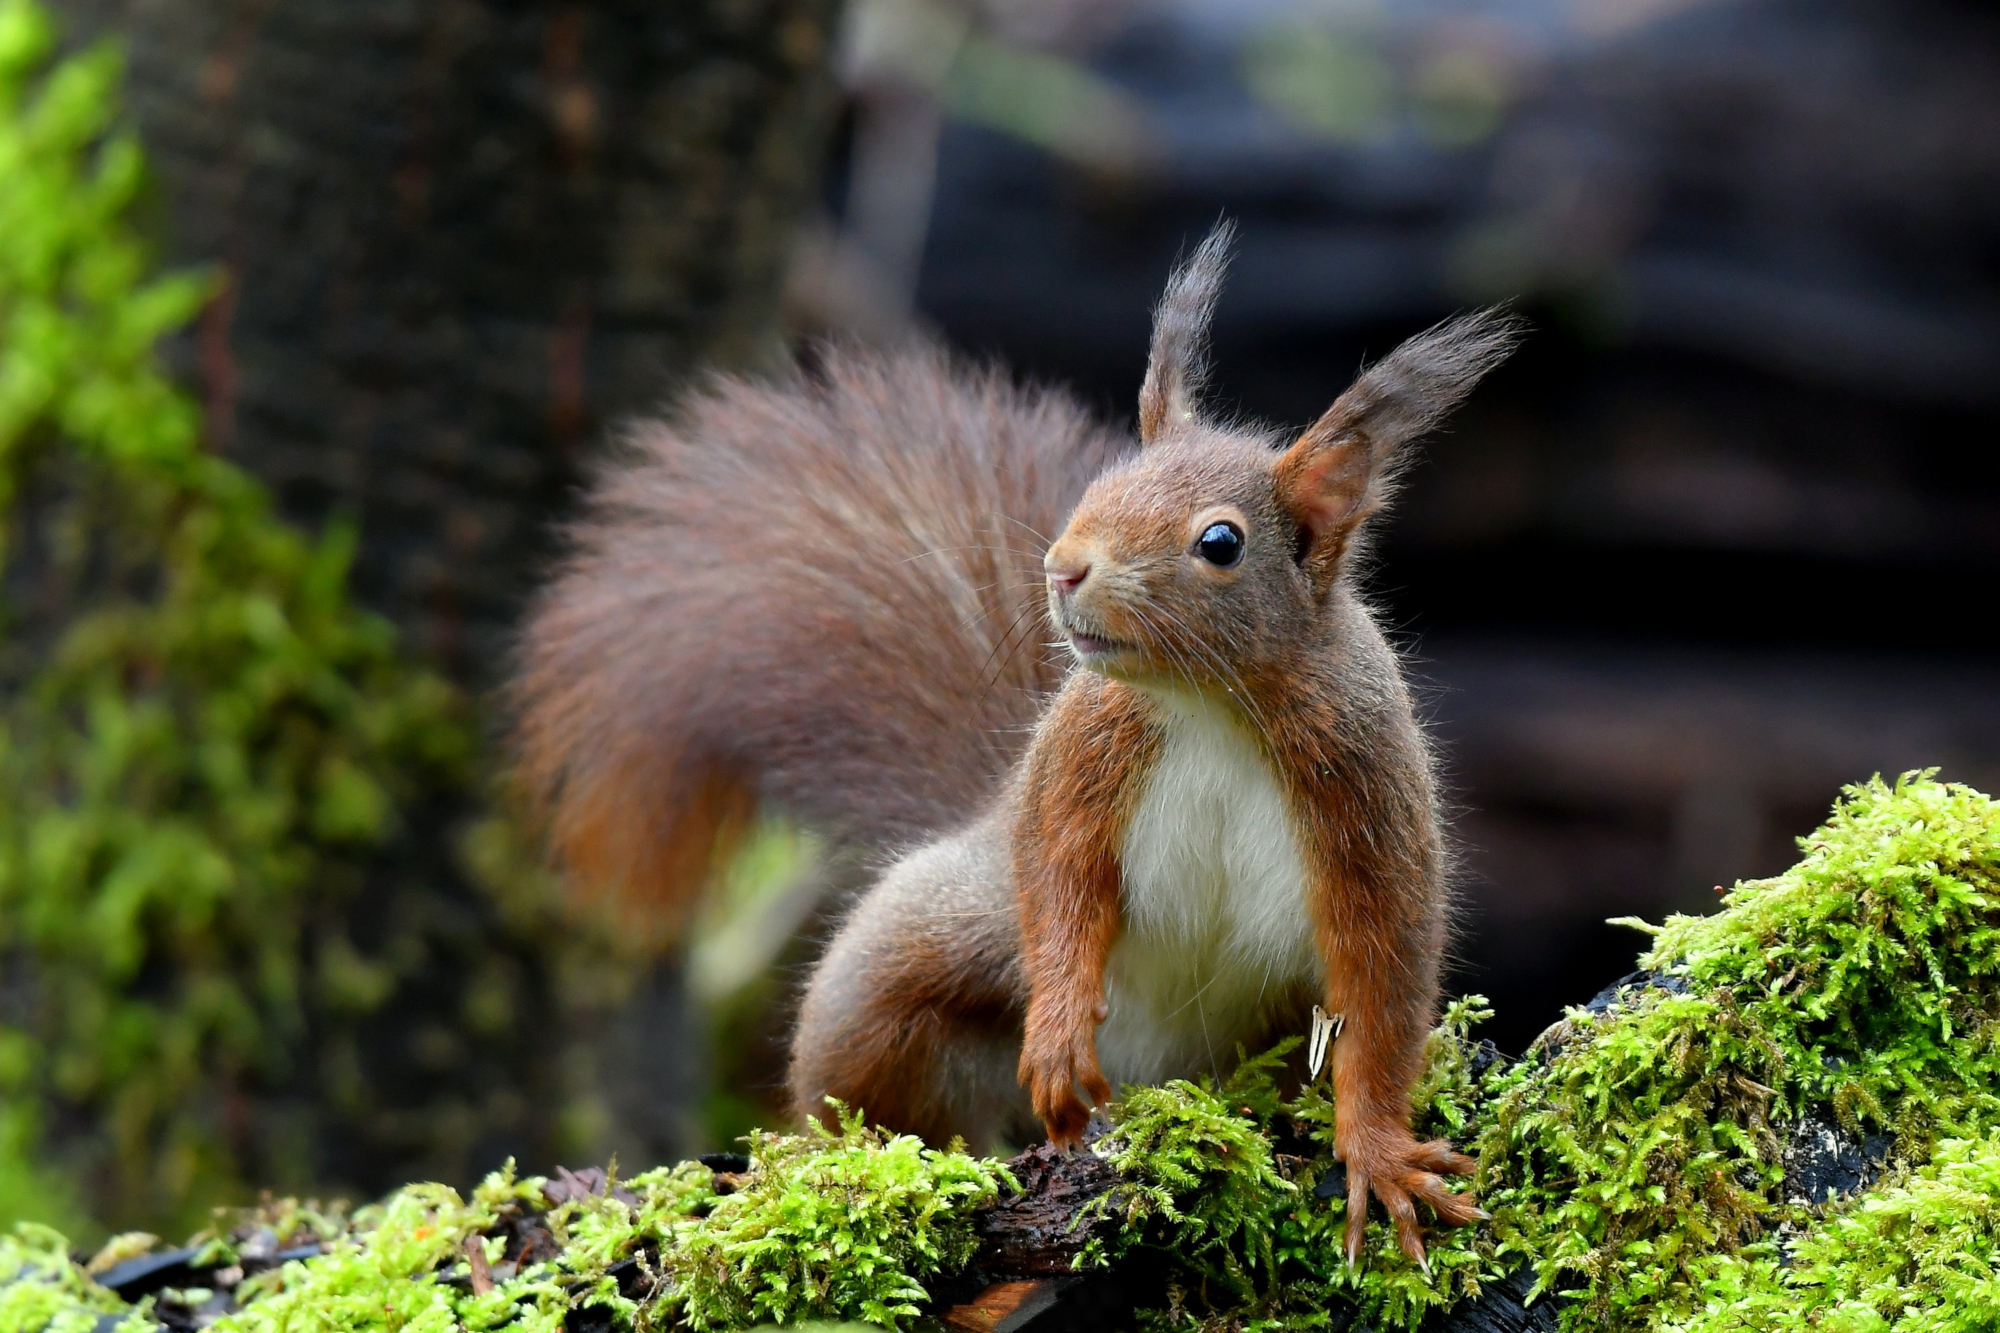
[[1215, 925]]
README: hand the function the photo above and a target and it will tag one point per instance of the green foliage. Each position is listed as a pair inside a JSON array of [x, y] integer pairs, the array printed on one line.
[[1220, 1182], [830, 1226], [1634, 1156], [1641, 1145], [43, 1291], [78, 313], [1389, 1290], [378, 1276], [845, 1225], [214, 768], [1872, 968], [826, 1226], [1919, 1256], [1201, 1182]]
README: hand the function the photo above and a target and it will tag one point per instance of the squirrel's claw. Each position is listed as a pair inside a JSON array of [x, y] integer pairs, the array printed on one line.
[[1357, 1215], [1453, 1210], [1441, 1158], [1052, 1088], [1415, 1176], [1065, 1119]]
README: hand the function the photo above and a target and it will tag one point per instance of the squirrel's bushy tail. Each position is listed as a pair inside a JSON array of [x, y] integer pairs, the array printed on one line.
[[822, 597]]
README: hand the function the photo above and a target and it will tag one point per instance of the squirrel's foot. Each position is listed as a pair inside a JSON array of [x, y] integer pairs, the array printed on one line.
[[1052, 1074], [1398, 1170]]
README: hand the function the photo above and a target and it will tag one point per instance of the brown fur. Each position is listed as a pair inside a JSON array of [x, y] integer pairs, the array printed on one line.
[[1076, 792], [915, 1011], [821, 597], [1178, 364]]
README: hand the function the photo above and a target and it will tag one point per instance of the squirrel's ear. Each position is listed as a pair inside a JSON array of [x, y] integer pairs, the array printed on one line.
[[1179, 360], [1342, 469]]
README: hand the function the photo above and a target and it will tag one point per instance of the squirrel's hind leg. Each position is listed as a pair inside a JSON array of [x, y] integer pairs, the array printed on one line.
[[913, 1016]]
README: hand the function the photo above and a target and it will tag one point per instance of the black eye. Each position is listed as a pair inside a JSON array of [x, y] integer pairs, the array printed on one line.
[[1221, 545]]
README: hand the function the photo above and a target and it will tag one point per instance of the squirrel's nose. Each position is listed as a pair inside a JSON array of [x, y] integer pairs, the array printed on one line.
[[1066, 580]]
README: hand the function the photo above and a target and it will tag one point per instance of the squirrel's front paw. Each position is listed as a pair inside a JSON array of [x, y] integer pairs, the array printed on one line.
[[1052, 1074], [1390, 1164]]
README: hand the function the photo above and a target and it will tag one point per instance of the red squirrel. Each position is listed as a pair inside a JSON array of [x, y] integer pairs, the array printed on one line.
[[1223, 813]]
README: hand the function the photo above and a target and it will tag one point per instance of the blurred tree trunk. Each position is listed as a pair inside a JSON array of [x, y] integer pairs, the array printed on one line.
[[459, 240]]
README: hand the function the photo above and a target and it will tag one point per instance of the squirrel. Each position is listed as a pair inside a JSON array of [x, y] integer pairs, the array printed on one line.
[[828, 596]]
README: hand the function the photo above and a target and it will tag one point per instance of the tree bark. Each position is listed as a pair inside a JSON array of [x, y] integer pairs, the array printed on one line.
[[458, 239]]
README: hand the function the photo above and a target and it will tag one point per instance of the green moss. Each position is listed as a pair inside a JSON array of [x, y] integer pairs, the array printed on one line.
[[1918, 1256], [1632, 1159], [827, 1225], [1222, 1189], [846, 1225], [1642, 1145], [42, 1290], [379, 1274], [1201, 1179], [1635, 1154], [1872, 968]]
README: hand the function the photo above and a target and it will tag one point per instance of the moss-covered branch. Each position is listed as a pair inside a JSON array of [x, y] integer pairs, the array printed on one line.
[[1642, 1162]]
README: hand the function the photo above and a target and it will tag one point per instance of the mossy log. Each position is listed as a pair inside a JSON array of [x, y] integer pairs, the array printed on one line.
[[1787, 1120]]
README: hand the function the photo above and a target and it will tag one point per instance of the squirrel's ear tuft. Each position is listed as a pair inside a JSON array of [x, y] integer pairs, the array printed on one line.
[[1179, 359], [1341, 470]]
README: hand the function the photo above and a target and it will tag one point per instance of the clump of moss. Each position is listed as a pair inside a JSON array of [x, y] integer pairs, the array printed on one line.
[[1200, 1179], [637, 1221], [1237, 1189], [42, 1290], [845, 1224], [1872, 968], [1918, 1256], [1634, 1157], [1386, 1289], [1636, 1153], [1638, 1146], [380, 1275]]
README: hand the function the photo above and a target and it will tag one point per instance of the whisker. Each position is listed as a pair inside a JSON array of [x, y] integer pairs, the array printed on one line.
[[943, 550], [998, 658], [1038, 534], [1160, 643], [1195, 998], [1232, 678]]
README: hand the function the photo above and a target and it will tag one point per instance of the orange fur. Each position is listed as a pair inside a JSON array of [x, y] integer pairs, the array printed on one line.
[[1076, 791], [639, 854]]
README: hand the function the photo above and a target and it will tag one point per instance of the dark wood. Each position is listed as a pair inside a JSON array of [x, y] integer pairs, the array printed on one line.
[[461, 237], [1041, 1230]]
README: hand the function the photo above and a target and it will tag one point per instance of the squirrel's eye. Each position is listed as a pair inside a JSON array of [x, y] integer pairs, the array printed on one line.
[[1221, 545]]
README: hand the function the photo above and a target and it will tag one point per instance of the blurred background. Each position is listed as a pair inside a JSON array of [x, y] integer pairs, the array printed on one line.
[[1722, 537]]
